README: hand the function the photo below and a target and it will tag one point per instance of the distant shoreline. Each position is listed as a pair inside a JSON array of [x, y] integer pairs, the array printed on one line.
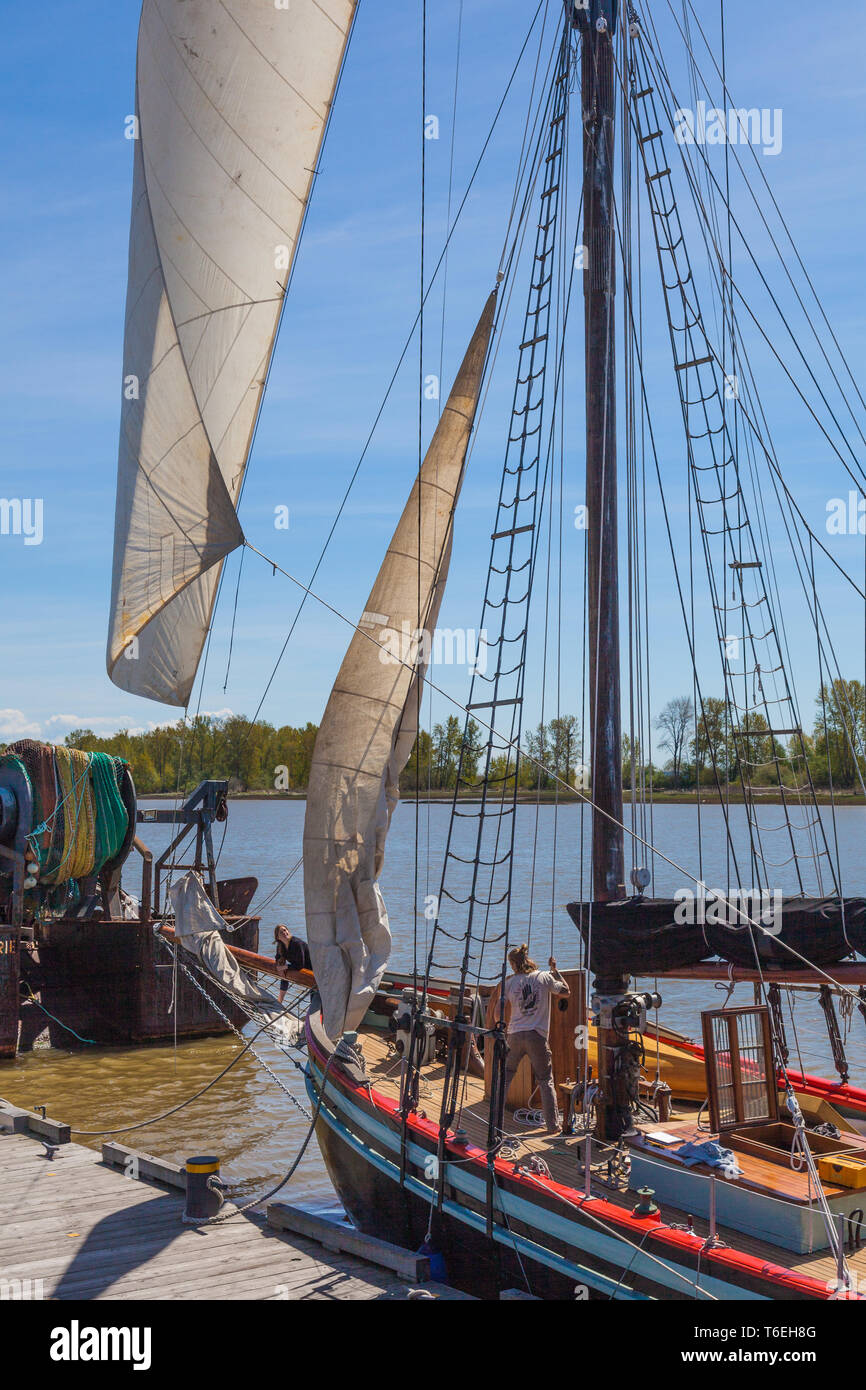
[[681, 798]]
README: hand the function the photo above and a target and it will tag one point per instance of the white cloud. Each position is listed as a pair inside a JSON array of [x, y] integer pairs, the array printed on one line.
[[14, 724], [170, 723], [110, 722]]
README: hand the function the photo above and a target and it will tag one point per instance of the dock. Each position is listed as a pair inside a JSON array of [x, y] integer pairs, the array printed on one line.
[[74, 1225]]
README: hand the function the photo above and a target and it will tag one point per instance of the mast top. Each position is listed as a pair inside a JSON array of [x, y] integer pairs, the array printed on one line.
[[587, 13]]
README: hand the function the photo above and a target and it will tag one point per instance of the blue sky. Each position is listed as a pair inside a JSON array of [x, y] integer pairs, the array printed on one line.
[[66, 86]]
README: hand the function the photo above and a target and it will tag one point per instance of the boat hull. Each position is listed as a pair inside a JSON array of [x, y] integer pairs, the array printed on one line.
[[110, 983], [10, 966], [542, 1236], [379, 1206]]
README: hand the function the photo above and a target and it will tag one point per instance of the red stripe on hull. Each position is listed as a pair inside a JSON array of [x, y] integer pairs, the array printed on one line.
[[772, 1279]]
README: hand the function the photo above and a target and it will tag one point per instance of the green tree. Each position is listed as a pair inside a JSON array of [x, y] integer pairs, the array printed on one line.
[[473, 747], [674, 723], [840, 729], [563, 732], [447, 740], [712, 746], [537, 767]]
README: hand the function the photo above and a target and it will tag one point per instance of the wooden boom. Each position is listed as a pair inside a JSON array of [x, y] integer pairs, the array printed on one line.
[[851, 973], [265, 965]]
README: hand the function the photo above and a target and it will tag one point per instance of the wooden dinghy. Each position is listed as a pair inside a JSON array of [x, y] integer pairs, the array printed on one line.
[[682, 1063]]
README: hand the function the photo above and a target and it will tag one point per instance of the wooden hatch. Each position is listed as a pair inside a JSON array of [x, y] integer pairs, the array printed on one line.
[[741, 1075]]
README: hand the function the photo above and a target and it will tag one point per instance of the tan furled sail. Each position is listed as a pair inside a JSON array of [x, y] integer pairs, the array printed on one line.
[[369, 727], [232, 102]]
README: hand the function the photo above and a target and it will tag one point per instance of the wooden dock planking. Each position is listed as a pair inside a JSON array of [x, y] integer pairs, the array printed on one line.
[[287, 1265], [130, 1242]]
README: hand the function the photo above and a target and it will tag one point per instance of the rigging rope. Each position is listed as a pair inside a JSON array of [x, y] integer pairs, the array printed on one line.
[[738, 912]]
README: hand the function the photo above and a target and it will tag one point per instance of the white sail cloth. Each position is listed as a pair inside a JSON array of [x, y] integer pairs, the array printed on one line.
[[232, 102], [197, 926], [371, 720]]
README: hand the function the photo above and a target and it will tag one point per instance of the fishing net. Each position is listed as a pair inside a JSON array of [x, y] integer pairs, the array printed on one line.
[[79, 818]]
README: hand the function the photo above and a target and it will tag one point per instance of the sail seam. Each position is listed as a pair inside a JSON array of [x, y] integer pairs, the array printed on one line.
[[167, 259], [154, 613], [219, 114], [371, 699], [151, 173], [148, 474], [225, 363], [264, 56], [132, 308], [226, 308]]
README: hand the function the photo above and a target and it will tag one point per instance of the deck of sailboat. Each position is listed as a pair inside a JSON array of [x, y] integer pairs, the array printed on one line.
[[559, 1152]]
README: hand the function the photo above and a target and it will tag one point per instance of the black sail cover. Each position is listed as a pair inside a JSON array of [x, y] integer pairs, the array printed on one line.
[[647, 936]]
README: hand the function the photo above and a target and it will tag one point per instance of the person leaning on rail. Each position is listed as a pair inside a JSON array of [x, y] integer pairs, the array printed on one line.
[[291, 953]]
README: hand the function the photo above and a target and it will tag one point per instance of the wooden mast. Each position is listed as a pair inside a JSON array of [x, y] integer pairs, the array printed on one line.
[[597, 22]]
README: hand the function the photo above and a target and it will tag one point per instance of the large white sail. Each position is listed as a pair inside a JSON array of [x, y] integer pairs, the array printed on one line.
[[232, 103], [371, 720]]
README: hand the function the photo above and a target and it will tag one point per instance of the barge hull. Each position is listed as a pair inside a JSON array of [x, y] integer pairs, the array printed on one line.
[[111, 983]]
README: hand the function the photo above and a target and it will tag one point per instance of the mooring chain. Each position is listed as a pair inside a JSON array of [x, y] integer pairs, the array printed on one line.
[[272, 1074]]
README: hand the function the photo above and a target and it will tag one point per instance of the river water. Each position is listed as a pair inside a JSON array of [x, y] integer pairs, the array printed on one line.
[[247, 1119]]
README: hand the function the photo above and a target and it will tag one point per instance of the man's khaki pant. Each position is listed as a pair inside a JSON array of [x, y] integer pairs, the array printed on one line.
[[533, 1045]]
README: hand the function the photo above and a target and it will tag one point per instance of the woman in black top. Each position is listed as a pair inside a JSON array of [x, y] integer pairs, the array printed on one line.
[[291, 953]]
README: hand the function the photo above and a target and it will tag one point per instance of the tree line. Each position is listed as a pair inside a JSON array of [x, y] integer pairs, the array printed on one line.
[[706, 746], [702, 748]]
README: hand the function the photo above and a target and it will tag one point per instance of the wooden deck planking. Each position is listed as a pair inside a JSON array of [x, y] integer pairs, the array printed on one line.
[[130, 1242], [557, 1152]]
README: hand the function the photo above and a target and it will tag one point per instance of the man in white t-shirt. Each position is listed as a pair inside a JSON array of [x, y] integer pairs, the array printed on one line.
[[527, 996]]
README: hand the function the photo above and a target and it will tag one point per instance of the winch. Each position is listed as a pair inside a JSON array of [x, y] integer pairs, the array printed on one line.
[[400, 1025], [624, 1013], [622, 1016]]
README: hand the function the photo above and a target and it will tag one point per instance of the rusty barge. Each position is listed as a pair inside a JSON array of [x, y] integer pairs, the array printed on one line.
[[81, 959]]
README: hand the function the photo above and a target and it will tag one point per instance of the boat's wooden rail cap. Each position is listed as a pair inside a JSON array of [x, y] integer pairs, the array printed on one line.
[[251, 960]]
